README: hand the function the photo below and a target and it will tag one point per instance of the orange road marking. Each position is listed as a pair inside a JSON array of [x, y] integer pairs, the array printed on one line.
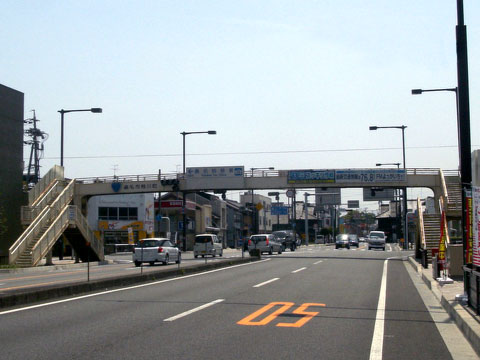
[[301, 311], [248, 320]]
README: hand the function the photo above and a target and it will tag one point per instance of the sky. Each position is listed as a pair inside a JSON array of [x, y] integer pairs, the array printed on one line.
[[286, 84]]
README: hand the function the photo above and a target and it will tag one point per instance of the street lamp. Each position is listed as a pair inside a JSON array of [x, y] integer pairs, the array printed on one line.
[[405, 226], [254, 224], [397, 195], [184, 134], [306, 216], [63, 112]]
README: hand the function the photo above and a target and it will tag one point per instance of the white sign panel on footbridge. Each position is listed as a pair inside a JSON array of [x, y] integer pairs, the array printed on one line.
[[215, 177], [347, 176]]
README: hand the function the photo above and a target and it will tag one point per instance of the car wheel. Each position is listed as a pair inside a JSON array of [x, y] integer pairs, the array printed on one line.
[[152, 263], [214, 253], [280, 250], [270, 251], [203, 256], [221, 253], [138, 263], [369, 248], [384, 249], [195, 256], [179, 258], [165, 262]]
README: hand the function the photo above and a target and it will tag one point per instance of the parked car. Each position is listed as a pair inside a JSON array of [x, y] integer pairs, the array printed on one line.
[[376, 239], [265, 243], [320, 239], [341, 241], [155, 250], [207, 244], [353, 239], [286, 238]]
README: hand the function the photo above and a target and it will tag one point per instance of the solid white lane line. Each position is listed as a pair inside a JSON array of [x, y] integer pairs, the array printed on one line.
[[186, 313], [376, 350], [318, 262], [265, 283], [127, 288], [298, 270]]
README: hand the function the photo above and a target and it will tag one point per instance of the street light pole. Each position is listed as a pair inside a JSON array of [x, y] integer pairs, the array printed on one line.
[[405, 202], [184, 216], [62, 117], [254, 221], [396, 198], [306, 218]]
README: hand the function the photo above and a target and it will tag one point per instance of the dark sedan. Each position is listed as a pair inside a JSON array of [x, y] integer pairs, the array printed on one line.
[[341, 241]]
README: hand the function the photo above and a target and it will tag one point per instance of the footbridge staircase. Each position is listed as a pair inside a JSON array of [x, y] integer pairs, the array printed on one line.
[[450, 201], [50, 215]]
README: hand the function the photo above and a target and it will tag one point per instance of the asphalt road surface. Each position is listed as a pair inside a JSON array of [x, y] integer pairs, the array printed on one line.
[[315, 303]]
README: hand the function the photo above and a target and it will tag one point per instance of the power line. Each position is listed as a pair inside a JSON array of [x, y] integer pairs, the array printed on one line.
[[256, 152]]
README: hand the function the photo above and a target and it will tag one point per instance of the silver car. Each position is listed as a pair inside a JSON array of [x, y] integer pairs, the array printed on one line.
[[376, 240], [265, 243], [155, 250]]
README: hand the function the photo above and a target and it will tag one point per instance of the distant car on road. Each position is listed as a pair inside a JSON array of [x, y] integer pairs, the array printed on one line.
[[353, 239], [155, 250], [341, 241], [320, 239], [207, 244], [286, 238], [265, 243], [376, 240]]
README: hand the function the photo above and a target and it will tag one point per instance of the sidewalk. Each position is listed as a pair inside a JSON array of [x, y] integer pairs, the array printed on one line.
[[465, 318]]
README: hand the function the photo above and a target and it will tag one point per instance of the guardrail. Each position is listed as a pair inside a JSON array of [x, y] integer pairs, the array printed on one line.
[[55, 173], [444, 186], [247, 174], [421, 224], [82, 224], [29, 213], [123, 178], [42, 221], [48, 239]]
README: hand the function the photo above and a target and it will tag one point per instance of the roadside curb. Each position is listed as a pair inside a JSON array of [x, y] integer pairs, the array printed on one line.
[[35, 295], [465, 319]]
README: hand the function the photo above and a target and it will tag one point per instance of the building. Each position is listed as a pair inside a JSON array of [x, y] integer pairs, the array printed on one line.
[[262, 206], [11, 158], [121, 219]]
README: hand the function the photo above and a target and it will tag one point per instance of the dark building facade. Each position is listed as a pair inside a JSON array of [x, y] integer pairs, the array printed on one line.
[[11, 171]]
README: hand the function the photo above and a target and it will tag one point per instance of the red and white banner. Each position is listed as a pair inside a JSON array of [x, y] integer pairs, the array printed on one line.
[[476, 225]]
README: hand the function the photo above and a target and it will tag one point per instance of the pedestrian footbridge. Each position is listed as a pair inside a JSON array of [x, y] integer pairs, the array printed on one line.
[[57, 206]]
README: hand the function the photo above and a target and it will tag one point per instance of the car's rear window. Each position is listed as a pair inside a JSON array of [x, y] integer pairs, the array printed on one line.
[[258, 238], [203, 239], [148, 243]]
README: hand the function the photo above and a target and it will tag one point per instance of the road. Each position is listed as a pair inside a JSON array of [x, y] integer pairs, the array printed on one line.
[[315, 303]]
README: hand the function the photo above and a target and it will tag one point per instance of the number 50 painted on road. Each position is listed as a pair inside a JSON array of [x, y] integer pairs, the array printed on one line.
[[285, 306]]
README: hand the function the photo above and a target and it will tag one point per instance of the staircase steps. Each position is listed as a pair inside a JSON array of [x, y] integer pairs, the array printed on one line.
[[454, 192], [431, 223], [26, 258]]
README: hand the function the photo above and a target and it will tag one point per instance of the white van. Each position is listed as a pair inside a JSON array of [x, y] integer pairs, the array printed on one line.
[[207, 244]]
